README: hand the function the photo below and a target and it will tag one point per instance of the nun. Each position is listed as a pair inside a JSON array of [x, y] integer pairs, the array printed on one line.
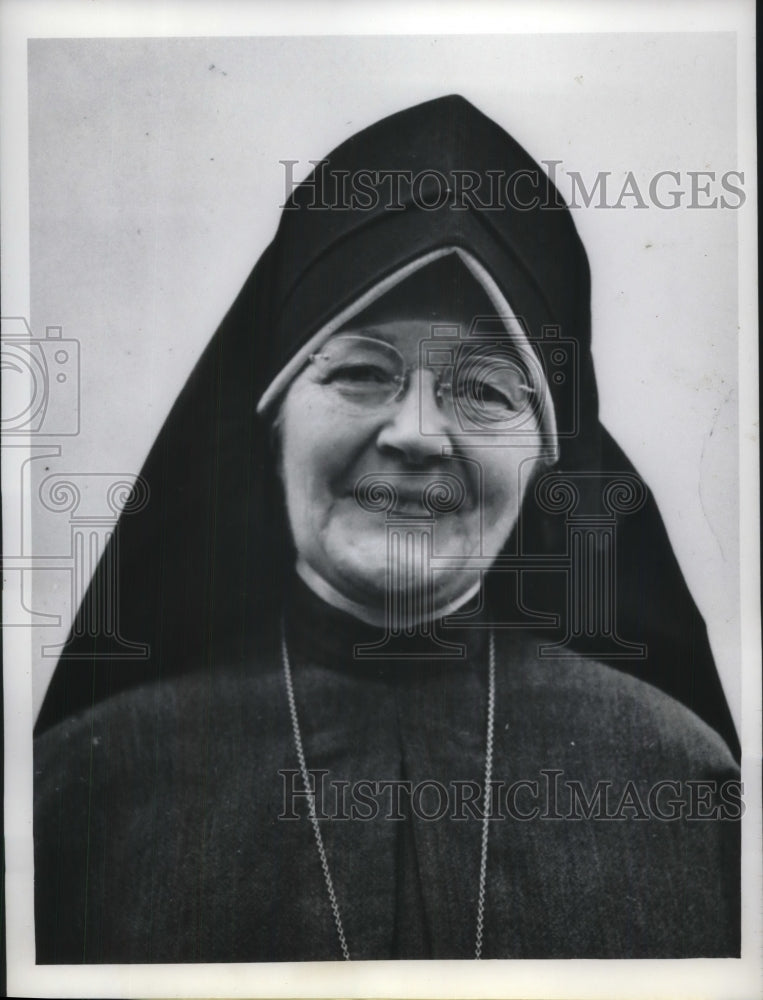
[[424, 678]]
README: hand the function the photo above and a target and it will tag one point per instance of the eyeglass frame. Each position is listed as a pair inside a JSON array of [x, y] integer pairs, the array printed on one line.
[[440, 344]]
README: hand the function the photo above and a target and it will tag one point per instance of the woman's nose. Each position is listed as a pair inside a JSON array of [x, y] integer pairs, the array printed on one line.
[[416, 423]]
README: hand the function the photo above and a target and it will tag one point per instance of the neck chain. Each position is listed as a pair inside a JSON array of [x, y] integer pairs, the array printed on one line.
[[310, 792]]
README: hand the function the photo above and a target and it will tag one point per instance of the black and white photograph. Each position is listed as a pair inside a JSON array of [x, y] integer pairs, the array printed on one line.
[[380, 462]]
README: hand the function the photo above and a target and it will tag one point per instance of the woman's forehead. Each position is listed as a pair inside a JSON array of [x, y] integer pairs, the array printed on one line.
[[410, 336]]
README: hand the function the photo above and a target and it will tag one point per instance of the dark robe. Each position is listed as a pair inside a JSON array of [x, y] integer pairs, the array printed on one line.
[[171, 824]]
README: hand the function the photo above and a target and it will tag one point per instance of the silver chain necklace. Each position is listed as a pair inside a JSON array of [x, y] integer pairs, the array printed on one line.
[[310, 793]]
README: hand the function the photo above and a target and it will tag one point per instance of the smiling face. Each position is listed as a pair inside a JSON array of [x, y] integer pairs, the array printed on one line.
[[370, 435]]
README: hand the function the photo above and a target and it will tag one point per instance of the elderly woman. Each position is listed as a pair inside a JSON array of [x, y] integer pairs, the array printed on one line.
[[396, 580]]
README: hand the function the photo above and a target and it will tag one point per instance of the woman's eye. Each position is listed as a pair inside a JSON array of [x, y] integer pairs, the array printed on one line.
[[487, 394], [360, 374], [491, 394]]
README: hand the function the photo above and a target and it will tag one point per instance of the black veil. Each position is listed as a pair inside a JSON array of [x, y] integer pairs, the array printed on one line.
[[197, 574]]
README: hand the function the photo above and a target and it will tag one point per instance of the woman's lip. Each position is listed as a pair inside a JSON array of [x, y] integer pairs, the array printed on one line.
[[409, 495], [407, 491], [410, 502], [414, 503]]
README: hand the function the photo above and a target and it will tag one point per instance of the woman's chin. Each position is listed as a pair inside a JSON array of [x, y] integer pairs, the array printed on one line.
[[367, 576], [365, 581]]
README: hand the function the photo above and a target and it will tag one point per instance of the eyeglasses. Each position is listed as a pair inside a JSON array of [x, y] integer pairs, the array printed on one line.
[[485, 383]]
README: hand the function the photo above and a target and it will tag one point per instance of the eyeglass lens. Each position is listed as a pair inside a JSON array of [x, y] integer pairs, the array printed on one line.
[[488, 379]]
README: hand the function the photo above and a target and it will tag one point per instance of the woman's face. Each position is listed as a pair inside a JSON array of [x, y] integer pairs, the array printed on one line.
[[362, 471]]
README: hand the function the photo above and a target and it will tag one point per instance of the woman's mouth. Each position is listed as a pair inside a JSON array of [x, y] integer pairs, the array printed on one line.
[[410, 493]]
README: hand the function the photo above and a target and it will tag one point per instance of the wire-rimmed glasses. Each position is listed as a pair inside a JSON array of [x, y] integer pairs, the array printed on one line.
[[483, 384]]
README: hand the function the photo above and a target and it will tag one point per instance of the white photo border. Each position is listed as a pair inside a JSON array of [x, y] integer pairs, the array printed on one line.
[[22, 20]]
